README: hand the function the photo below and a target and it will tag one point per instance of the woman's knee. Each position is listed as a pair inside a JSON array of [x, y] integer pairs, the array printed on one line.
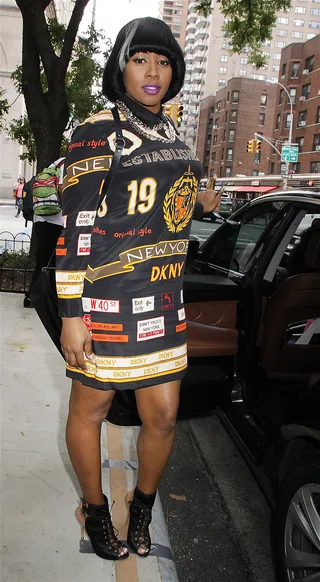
[[89, 404], [161, 420]]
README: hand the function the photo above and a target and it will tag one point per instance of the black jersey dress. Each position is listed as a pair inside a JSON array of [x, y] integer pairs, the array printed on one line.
[[121, 268]]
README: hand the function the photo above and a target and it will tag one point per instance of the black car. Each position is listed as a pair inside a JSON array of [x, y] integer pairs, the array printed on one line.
[[252, 299]]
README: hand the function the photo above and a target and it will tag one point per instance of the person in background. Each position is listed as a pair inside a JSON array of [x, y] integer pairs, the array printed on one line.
[[47, 231], [17, 194]]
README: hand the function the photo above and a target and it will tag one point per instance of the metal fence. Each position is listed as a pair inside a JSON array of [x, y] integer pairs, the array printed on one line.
[[16, 266]]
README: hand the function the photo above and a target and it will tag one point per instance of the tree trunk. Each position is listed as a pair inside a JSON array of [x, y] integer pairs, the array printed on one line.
[[48, 111]]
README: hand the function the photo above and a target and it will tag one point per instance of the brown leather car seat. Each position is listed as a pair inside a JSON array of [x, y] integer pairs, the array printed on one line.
[[296, 300]]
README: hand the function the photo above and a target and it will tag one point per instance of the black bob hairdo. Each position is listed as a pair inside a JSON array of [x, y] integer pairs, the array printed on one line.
[[143, 35]]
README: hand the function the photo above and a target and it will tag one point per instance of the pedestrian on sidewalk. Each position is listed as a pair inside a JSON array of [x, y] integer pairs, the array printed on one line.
[[17, 194], [120, 272]]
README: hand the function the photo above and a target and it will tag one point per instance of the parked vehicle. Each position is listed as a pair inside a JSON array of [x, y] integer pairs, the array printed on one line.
[[225, 206], [252, 299]]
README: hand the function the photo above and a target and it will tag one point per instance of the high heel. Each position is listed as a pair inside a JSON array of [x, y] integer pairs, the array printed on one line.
[[95, 520], [139, 518]]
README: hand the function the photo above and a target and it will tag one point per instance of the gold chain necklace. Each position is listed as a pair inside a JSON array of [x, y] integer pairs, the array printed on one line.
[[149, 132]]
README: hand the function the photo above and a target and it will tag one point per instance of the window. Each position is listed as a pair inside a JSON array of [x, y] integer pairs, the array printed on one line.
[[222, 82], [229, 154], [216, 122], [213, 156], [280, 44], [297, 34], [224, 58], [278, 121], [231, 135], [228, 172], [293, 94], [263, 99], [235, 96], [295, 70], [315, 11], [314, 23], [276, 68], [235, 248], [274, 79], [224, 135], [225, 46], [211, 173], [316, 141], [284, 69], [318, 115], [283, 20], [310, 35], [309, 63], [226, 116], [281, 32], [300, 141], [178, 12], [272, 167], [277, 56], [281, 93], [302, 118], [262, 118], [300, 10], [176, 19], [223, 70], [222, 154], [298, 22], [266, 43], [233, 117], [296, 168], [243, 60], [218, 107], [288, 120], [306, 91], [228, 97], [255, 172], [215, 139], [243, 73], [315, 167]]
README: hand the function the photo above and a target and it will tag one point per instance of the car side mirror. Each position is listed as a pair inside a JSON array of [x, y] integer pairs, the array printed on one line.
[[193, 249]]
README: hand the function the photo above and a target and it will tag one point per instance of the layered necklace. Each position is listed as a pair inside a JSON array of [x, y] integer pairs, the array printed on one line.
[[151, 133]]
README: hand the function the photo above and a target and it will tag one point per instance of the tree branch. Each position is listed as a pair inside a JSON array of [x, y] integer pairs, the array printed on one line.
[[71, 34], [33, 13]]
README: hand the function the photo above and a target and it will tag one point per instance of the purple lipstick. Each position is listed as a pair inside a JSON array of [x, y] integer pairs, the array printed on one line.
[[151, 89]]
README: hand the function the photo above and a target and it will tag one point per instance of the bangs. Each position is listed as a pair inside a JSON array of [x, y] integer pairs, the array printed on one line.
[[146, 35]]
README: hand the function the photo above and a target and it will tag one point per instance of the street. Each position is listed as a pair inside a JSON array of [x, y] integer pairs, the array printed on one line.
[[221, 532]]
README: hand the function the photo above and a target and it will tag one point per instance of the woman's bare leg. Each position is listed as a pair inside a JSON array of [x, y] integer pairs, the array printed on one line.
[[87, 410], [158, 407]]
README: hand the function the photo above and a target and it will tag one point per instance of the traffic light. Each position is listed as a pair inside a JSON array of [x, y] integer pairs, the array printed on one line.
[[168, 109], [251, 145], [179, 114], [258, 146]]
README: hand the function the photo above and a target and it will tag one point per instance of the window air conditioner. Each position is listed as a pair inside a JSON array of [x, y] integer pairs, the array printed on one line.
[[302, 123], [214, 127], [318, 148], [302, 98], [305, 71]]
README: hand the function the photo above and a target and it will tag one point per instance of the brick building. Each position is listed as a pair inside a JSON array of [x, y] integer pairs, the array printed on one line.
[[228, 120], [300, 74]]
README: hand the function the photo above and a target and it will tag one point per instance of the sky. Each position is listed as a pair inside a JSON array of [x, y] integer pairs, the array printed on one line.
[[112, 15]]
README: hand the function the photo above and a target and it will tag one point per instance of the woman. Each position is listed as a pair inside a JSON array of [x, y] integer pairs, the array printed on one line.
[[18, 193], [119, 274]]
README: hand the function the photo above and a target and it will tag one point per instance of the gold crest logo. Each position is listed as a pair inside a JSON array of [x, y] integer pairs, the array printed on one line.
[[179, 202]]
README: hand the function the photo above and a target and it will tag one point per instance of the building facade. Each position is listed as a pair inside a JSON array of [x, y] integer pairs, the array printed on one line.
[[174, 13], [225, 127], [300, 75], [210, 64]]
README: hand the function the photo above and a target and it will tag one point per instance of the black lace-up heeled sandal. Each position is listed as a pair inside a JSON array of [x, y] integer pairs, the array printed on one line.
[[140, 515], [96, 521]]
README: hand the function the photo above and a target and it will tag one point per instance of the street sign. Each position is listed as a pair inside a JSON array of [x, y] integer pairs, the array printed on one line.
[[284, 170], [289, 153]]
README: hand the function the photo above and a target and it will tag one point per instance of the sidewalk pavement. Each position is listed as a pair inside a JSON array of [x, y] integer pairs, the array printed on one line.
[[40, 535]]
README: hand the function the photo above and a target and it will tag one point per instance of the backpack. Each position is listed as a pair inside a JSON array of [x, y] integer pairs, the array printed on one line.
[[46, 199], [27, 201]]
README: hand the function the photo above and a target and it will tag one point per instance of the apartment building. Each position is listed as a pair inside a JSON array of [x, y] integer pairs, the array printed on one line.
[[300, 75], [210, 64], [225, 128], [174, 13]]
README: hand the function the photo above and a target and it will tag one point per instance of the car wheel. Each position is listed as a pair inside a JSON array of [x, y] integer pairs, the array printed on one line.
[[296, 524]]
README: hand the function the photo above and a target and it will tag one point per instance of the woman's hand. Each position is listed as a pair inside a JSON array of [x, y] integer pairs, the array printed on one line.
[[75, 341]]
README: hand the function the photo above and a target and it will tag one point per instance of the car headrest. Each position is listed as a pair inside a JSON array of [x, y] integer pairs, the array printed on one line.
[[312, 256]]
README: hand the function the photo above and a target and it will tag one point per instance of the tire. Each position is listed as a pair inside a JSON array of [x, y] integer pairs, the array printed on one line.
[[298, 500]]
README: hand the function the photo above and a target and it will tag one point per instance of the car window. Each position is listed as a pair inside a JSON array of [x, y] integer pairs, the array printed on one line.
[[235, 243], [308, 220]]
